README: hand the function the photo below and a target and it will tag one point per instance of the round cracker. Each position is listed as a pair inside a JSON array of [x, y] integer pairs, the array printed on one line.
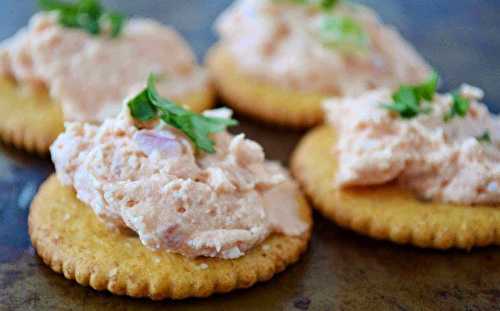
[[71, 240], [32, 121], [259, 99], [388, 212]]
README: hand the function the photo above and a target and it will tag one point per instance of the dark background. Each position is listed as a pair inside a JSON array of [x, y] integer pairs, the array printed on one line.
[[460, 38]]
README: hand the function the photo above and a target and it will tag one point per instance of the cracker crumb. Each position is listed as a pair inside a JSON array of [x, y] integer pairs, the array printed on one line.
[[266, 248], [203, 266]]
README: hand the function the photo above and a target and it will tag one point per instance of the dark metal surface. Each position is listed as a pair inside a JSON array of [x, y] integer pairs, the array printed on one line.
[[341, 270]]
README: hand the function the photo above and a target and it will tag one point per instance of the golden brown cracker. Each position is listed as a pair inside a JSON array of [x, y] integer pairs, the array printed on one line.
[[30, 119], [259, 99], [388, 212], [71, 240]]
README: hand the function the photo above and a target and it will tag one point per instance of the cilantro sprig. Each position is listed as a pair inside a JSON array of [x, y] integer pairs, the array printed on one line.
[[88, 15], [322, 4], [149, 105], [328, 4], [460, 107], [407, 101], [485, 137], [343, 33], [335, 31]]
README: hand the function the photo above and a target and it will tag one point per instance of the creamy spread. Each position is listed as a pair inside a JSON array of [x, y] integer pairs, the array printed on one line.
[[152, 181], [438, 160], [90, 75], [277, 41]]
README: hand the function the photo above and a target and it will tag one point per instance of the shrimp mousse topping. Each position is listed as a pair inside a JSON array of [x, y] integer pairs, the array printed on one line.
[[178, 179], [443, 147], [327, 47], [89, 59]]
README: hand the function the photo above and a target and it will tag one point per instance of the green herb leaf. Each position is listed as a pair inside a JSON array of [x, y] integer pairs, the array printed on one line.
[[427, 90], [336, 32], [149, 105], [89, 24], [342, 32], [460, 107], [116, 21], [53, 5], [326, 5], [407, 101], [141, 108], [87, 15], [485, 138]]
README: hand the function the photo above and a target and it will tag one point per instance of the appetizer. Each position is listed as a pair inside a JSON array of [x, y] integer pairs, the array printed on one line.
[[78, 61], [162, 202], [410, 166], [278, 59]]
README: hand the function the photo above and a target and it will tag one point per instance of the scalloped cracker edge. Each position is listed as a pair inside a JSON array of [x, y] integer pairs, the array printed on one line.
[[388, 212], [71, 240]]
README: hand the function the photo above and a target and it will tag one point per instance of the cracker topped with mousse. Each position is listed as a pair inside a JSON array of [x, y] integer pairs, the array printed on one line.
[[277, 60], [76, 62], [168, 191], [412, 166]]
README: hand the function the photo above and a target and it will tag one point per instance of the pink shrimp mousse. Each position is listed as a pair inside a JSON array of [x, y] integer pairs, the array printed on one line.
[[438, 160], [277, 41], [90, 75], [152, 181]]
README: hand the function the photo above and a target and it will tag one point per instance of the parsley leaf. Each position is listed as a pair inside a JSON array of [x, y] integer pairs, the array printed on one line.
[[141, 108], [407, 100], [427, 90], [460, 107], [88, 15], [485, 138], [326, 5], [116, 21], [342, 32], [149, 105], [334, 31]]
